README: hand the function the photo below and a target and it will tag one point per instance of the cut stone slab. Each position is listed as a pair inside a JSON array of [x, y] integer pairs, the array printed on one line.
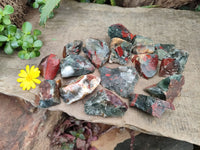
[[183, 123], [75, 65], [121, 80]]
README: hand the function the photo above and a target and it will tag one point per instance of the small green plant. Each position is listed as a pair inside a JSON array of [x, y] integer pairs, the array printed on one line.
[[112, 2], [12, 38]]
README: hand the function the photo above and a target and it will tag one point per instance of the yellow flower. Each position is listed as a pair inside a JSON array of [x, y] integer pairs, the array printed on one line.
[[28, 77]]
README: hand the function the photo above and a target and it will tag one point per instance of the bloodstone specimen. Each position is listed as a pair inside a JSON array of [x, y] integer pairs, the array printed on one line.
[[49, 66], [97, 51], [72, 48], [143, 45], [79, 88], [120, 51], [122, 80], [146, 64], [120, 31], [106, 104], [168, 88], [49, 94], [75, 65], [181, 56], [151, 105], [162, 50], [169, 66]]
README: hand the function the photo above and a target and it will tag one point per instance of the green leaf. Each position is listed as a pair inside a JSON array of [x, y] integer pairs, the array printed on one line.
[[100, 1], [112, 2], [21, 54], [32, 54], [14, 44], [81, 136], [6, 20], [1, 44], [8, 10], [25, 45], [37, 53], [27, 56], [8, 49], [1, 27], [18, 34], [29, 39], [37, 43], [73, 133], [51, 15], [27, 27], [3, 38], [37, 32], [35, 5], [197, 8], [12, 29], [47, 9]]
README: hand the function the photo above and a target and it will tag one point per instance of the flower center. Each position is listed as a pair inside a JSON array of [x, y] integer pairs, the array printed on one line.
[[29, 78]]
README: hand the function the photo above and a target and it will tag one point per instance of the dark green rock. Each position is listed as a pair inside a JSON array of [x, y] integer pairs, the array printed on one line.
[[106, 104]]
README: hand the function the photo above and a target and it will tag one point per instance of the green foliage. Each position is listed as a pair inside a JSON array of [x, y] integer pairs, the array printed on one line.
[[112, 2], [12, 38], [197, 8]]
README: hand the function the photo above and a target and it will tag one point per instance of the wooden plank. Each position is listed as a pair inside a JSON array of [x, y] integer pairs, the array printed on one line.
[[75, 21]]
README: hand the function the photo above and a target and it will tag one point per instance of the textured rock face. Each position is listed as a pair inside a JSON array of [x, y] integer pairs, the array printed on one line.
[[75, 65], [168, 88], [143, 45], [169, 66], [48, 95], [106, 104], [169, 51], [153, 106], [120, 31], [122, 80], [120, 51], [79, 88], [72, 48], [146, 64], [49, 66], [97, 51]]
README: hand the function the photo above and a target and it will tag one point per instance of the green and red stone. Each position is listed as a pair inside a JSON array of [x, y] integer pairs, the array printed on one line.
[[121, 80], [72, 48], [148, 104], [97, 51], [75, 65], [167, 89], [49, 66], [106, 104], [146, 64], [168, 67], [120, 51], [120, 31], [48, 94]]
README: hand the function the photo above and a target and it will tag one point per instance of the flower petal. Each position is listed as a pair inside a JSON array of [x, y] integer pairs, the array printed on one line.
[[37, 81], [22, 74], [32, 69], [20, 79], [27, 69], [32, 84]]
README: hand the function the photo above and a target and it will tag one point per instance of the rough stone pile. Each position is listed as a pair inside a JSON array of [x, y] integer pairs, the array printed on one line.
[[115, 82]]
